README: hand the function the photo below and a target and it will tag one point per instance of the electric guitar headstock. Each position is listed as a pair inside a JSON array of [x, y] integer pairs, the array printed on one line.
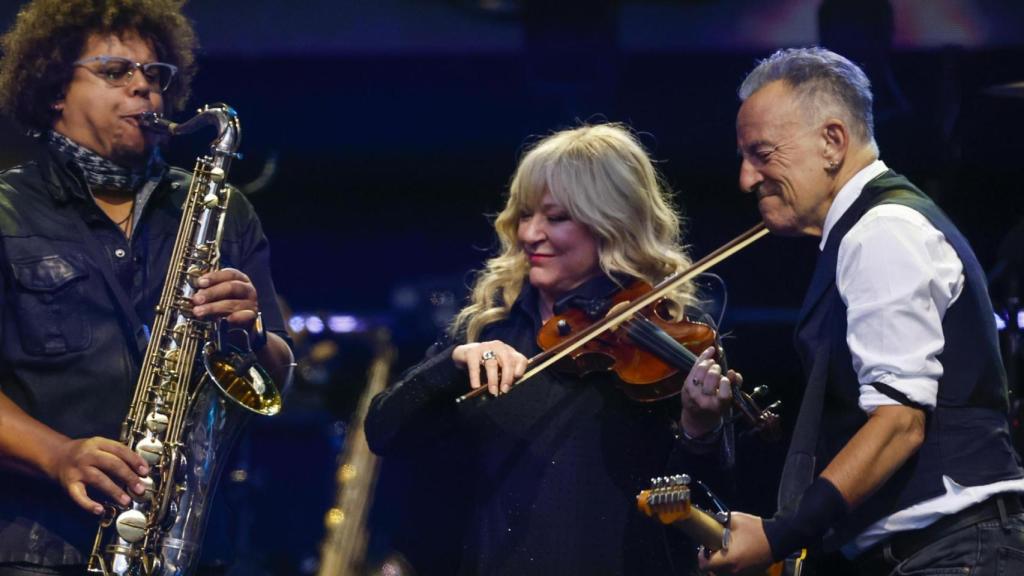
[[668, 500]]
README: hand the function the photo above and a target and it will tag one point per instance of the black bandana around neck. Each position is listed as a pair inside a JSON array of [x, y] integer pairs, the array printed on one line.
[[101, 173]]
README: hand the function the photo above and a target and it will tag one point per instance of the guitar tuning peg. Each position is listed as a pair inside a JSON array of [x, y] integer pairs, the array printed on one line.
[[774, 407], [759, 392], [680, 479]]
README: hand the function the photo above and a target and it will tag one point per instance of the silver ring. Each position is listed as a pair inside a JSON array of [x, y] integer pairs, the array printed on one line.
[[488, 355]]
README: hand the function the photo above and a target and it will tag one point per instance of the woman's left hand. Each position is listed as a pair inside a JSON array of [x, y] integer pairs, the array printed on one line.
[[706, 394]]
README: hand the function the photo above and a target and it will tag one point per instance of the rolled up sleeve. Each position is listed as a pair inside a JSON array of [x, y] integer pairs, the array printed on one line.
[[897, 275]]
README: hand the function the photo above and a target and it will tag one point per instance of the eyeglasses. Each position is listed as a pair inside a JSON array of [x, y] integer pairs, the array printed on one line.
[[118, 71]]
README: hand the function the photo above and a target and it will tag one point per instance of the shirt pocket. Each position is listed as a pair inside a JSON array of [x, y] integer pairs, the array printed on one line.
[[48, 304]]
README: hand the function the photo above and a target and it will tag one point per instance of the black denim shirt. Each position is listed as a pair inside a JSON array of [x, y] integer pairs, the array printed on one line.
[[69, 351]]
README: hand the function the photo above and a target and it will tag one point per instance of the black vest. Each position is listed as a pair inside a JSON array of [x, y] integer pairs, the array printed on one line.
[[967, 436]]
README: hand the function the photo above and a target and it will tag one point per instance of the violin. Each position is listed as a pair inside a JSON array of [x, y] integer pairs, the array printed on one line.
[[651, 353], [637, 338], [646, 362]]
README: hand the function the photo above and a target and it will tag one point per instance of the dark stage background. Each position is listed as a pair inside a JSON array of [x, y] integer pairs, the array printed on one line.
[[392, 128]]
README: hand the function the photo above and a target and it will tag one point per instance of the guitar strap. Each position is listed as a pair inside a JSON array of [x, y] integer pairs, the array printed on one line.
[[798, 472]]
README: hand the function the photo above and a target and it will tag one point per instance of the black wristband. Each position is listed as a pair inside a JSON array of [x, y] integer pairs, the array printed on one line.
[[821, 507]]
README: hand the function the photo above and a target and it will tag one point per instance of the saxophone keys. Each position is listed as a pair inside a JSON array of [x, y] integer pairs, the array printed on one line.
[[183, 306], [156, 422], [167, 384], [147, 493], [347, 473], [334, 518], [202, 252], [131, 525], [193, 273], [215, 174], [150, 449]]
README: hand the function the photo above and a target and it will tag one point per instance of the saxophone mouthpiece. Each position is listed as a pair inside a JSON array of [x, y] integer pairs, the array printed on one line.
[[155, 123]]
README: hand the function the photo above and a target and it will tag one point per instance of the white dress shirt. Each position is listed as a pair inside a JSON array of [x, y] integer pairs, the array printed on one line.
[[897, 276]]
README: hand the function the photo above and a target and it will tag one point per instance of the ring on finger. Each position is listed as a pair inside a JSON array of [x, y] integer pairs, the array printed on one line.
[[488, 355]]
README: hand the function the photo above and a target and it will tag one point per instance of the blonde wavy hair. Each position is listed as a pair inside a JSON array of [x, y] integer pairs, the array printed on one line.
[[605, 180]]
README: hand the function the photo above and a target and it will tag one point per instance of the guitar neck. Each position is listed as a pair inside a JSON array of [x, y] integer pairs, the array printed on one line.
[[702, 528]]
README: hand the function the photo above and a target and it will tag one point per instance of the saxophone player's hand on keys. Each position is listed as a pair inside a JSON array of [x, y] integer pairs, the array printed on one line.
[[226, 293], [101, 464], [231, 295]]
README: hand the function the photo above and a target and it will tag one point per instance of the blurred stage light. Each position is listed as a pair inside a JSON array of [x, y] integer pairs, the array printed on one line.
[[343, 323], [333, 323], [314, 325], [1002, 325]]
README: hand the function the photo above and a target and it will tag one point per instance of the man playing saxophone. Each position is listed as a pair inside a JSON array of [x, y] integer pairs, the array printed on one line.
[[86, 232]]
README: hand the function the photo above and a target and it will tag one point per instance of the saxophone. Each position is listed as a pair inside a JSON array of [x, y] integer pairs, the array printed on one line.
[[344, 546], [194, 390]]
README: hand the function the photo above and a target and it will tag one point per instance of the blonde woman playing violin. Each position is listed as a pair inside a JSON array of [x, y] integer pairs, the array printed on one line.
[[553, 465]]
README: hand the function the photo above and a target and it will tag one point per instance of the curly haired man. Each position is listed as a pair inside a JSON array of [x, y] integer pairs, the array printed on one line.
[[87, 227]]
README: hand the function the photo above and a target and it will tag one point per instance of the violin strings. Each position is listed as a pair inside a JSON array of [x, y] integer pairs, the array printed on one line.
[[661, 344]]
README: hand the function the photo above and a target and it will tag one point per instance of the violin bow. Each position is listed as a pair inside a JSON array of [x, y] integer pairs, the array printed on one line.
[[545, 359]]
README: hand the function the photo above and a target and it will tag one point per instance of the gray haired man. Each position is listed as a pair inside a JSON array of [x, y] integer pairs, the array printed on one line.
[[901, 458]]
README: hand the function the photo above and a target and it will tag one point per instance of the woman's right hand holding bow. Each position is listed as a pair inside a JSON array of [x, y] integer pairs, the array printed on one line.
[[500, 363]]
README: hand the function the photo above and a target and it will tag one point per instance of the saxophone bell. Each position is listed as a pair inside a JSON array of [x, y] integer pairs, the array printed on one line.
[[241, 381]]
